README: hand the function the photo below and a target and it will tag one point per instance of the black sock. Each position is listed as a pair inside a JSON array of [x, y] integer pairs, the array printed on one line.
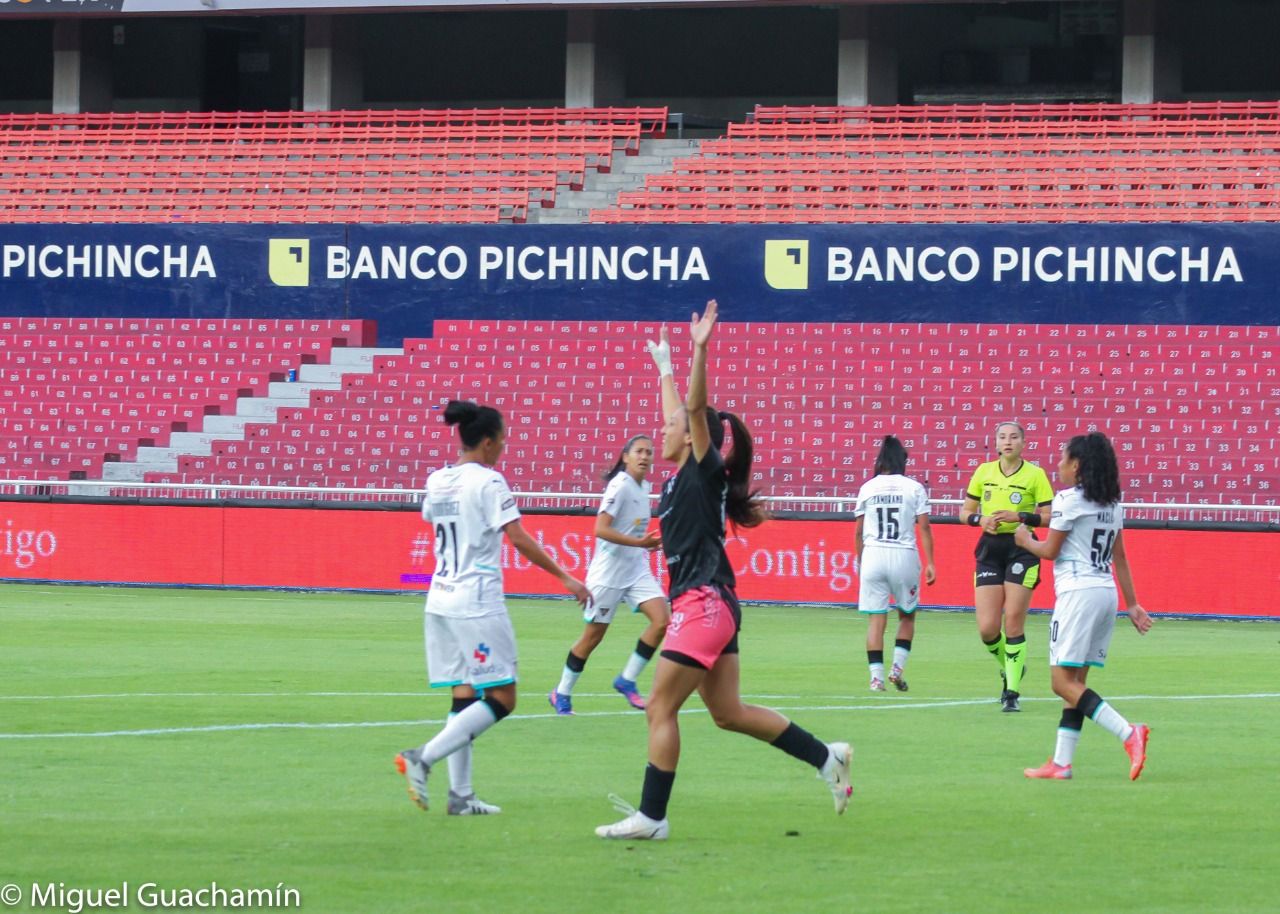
[[1072, 719], [875, 656], [498, 708], [574, 663], [461, 704], [645, 650], [799, 743], [1088, 703], [657, 792], [904, 643]]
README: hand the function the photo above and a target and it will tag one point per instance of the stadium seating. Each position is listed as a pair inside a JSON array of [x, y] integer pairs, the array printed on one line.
[[474, 165], [819, 398], [1202, 162], [78, 392]]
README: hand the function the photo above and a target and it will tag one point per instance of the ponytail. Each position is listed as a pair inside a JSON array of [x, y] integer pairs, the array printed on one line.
[[892, 458], [743, 506], [1099, 474], [475, 423]]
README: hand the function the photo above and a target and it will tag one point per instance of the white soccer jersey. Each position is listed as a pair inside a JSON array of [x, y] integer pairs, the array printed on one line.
[[614, 565], [1085, 559], [467, 506], [890, 505]]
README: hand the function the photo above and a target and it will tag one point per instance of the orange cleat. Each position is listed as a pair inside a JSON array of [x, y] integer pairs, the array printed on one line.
[[1136, 746], [1050, 771]]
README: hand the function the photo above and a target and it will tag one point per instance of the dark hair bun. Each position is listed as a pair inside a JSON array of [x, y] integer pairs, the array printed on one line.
[[460, 412]]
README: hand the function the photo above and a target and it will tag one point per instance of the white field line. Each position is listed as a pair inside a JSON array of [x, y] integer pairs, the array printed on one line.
[[878, 706]]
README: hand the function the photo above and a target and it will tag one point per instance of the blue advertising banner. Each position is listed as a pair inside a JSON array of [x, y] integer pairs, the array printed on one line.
[[405, 277]]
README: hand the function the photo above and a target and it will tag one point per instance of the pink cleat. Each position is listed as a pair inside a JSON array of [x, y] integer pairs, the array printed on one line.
[[1136, 746], [1050, 770]]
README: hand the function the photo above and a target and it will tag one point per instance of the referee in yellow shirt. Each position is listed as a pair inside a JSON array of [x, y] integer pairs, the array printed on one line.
[[1002, 494]]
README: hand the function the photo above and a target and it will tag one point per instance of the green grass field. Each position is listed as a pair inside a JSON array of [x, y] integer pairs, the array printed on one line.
[[187, 737]]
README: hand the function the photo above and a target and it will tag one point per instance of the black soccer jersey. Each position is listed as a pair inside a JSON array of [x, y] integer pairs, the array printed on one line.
[[691, 515]]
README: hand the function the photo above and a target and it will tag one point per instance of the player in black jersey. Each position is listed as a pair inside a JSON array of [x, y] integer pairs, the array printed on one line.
[[701, 649]]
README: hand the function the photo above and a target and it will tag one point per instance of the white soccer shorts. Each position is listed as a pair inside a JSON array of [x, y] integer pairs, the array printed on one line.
[[605, 600], [479, 652], [1081, 628], [888, 572]]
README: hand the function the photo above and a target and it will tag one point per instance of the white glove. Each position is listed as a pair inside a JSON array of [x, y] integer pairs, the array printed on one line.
[[661, 353]]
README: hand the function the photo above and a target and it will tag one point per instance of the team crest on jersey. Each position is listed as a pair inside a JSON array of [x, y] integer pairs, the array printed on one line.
[[986, 496], [1015, 497]]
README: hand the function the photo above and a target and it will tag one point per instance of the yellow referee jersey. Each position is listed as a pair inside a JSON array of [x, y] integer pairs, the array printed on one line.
[[1025, 490]]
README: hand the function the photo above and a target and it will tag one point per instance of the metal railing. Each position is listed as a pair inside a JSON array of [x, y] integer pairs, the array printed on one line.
[[815, 507]]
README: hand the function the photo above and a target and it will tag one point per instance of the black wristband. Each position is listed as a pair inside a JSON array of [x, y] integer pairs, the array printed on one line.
[[975, 519], [1030, 518]]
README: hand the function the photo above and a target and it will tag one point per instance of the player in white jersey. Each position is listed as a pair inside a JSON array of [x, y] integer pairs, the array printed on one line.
[[471, 647], [620, 573], [889, 507], [1086, 543]]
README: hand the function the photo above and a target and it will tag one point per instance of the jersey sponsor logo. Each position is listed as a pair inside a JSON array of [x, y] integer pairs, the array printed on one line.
[[987, 574], [482, 652]]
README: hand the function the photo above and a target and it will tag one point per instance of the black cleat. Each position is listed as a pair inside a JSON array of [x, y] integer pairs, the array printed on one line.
[[1009, 702]]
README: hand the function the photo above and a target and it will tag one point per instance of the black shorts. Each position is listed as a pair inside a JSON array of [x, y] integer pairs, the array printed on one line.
[[1000, 561]]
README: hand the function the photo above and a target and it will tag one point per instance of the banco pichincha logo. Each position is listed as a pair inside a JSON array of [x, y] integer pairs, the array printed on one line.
[[289, 261], [786, 264]]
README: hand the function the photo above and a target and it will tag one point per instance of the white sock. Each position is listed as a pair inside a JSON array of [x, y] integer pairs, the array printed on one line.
[[900, 655], [877, 671], [635, 666], [1065, 750], [1109, 719], [458, 732], [460, 769], [568, 679]]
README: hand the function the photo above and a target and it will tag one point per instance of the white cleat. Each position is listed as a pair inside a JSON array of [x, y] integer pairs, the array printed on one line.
[[877, 684], [635, 827], [836, 773], [471, 805]]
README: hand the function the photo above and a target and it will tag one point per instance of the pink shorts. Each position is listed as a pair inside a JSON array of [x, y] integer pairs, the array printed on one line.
[[704, 624]]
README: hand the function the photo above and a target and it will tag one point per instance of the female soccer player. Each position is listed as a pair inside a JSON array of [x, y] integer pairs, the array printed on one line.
[[471, 647], [1086, 541], [619, 572], [1002, 494], [701, 651], [888, 508]]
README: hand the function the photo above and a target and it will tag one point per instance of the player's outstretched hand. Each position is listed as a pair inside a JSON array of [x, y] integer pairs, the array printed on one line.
[[700, 327], [580, 593], [661, 352], [651, 540], [930, 573], [1140, 618]]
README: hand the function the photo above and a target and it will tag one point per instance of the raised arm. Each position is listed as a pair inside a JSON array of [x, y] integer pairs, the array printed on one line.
[[696, 400], [661, 352]]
